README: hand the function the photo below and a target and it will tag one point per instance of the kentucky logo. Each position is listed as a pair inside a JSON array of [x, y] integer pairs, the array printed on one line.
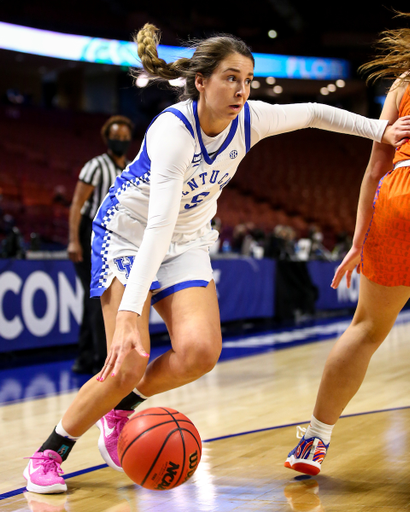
[[196, 160], [124, 264], [233, 154]]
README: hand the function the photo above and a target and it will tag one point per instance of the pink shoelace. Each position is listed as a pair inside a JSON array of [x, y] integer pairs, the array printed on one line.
[[49, 465], [119, 423]]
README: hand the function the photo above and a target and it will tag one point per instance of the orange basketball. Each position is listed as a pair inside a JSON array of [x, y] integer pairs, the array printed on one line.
[[159, 448]]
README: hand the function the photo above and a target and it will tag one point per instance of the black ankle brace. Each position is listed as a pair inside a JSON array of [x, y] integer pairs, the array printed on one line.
[[130, 402], [60, 444]]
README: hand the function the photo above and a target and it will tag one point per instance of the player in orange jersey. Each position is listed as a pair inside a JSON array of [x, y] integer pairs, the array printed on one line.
[[380, 252]]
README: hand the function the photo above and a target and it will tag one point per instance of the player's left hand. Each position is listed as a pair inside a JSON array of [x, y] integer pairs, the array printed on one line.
[[350, 262], [398, 133]]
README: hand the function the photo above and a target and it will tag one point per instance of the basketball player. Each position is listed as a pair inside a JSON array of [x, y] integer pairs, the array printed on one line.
[[380, 252], [152, 236]]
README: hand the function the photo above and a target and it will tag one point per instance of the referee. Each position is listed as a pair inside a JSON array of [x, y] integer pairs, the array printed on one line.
[[94, 180]]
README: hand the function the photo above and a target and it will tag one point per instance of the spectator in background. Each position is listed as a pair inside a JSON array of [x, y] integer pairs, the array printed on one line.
[[12, 245], [280, 244], [318, 251], [94, 180], [246, 237], [342, 247], [217, 225]]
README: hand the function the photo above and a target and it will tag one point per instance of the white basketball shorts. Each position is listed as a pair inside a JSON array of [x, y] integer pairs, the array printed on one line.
[[185, 265]]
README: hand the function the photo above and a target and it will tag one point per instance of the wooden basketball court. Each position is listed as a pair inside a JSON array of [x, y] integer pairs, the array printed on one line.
[[246, 411]]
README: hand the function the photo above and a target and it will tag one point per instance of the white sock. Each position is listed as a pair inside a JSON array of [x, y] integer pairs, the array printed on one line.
[[135, 390], [62, 432], [319, 429]]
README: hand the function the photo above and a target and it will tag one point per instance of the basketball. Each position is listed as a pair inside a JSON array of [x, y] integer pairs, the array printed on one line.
[[159, 448]]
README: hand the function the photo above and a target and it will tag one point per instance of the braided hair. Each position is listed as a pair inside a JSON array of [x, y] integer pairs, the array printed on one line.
[[206, 58]]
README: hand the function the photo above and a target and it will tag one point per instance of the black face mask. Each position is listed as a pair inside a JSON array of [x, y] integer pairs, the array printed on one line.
[[118, 147]]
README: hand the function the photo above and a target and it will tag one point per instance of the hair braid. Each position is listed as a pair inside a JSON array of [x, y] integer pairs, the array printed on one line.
[[147, 39], [208, 53]]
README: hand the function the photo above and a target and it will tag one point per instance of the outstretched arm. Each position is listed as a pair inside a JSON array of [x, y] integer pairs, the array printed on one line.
[[268, 120]]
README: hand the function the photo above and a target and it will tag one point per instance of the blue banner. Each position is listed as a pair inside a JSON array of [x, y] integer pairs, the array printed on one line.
[[245, 287], [40, 304], [41, 301], [321, 273]]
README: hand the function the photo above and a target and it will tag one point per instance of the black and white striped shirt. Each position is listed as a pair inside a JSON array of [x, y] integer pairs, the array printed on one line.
[[100, 172]]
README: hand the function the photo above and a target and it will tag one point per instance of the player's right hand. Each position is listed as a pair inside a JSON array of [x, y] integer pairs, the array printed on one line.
[[350, 262], [75, 252]]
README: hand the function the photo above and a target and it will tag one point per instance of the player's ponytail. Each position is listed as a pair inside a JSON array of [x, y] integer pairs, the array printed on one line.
[[393, 59], [207, 56], [147, 40]]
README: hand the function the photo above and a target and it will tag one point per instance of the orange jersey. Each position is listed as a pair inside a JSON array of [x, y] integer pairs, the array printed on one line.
[[386, 249], [403, 152]]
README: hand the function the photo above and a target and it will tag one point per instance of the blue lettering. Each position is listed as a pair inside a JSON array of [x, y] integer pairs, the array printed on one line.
[[203, 177], [224, 184], [192, 184], [214, 176], [223, 177], [196, 200]]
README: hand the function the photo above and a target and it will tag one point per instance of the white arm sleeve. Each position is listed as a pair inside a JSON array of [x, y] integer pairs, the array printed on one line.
[[170, 148], [275, 119]]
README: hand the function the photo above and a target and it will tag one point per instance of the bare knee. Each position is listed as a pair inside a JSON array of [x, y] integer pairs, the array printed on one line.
[[124, 382], [200, 357], [129, 374], [369, 331]]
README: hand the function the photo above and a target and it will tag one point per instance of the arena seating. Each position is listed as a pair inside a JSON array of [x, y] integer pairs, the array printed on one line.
[[296, 179]]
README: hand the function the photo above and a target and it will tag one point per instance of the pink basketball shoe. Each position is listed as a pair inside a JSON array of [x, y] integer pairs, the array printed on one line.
[[110, 427], [43, 473]]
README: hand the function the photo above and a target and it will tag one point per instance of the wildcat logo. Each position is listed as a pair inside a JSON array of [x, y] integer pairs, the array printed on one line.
[[124, 264], [193, 464], [168, 477]]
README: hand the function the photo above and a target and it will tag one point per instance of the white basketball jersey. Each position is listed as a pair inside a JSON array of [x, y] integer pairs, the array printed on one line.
[[204, 179]]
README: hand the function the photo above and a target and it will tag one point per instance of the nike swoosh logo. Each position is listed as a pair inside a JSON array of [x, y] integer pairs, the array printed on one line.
[[107, 430], [31, 467]]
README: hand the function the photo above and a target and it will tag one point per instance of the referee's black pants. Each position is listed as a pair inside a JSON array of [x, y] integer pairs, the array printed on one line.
[[92, 347]]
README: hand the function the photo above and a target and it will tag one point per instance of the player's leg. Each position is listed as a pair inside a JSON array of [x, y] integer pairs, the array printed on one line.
[[192, 319], [95, 397], [346, 367], [93, 401], [347, 363], [113, 421]]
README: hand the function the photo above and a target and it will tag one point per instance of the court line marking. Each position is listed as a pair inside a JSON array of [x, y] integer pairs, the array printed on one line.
[[16, 492]]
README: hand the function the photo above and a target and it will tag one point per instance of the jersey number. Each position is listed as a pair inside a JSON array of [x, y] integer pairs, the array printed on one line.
[[196, 200]]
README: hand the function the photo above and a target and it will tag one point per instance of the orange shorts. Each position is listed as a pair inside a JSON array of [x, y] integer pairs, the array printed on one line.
[[386, 250]]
